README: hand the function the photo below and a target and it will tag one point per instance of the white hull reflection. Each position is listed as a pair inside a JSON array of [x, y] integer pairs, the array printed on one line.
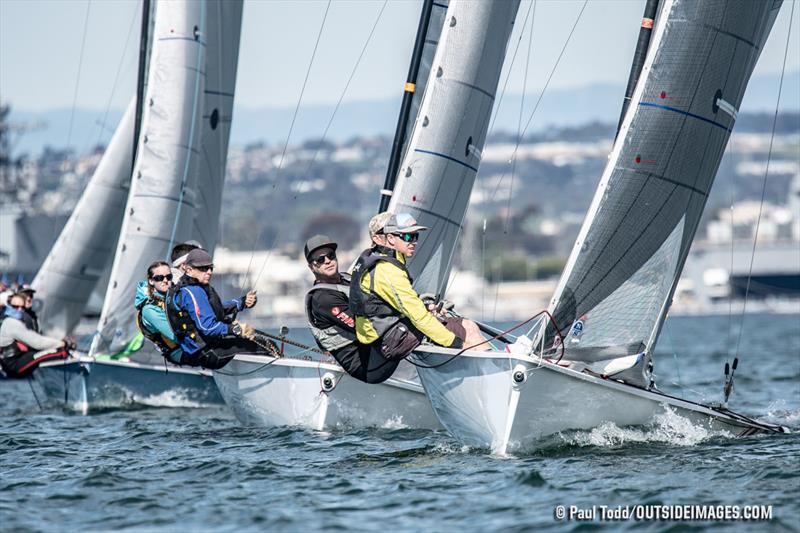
[[271, 392], [508, 403]]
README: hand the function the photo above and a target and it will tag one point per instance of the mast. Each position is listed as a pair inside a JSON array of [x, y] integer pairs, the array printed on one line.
[[405, 106], [144, 38], [642, 45]]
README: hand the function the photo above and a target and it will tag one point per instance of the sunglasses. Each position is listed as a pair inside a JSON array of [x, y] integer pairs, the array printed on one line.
[[16, 306], [161, 277], [320, 259], [408, 237], [207, 268]]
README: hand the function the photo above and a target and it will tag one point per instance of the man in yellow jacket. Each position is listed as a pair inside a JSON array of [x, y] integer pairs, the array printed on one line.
[[389, 312]]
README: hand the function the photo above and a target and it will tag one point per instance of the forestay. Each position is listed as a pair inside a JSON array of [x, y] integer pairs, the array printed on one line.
[[160, 205], [222, 53], [623, 269], [85, 247], [443, 155]]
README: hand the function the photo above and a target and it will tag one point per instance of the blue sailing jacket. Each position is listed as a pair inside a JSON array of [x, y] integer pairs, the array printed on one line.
[[207, 317]]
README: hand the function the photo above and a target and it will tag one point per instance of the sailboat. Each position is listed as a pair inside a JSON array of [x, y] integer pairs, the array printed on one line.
[[186, 102], [318, 394], [591, 359]]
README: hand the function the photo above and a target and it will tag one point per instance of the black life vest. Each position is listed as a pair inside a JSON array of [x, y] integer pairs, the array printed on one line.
[[371, 306], [165, 345], [181, 322], [334, 337]]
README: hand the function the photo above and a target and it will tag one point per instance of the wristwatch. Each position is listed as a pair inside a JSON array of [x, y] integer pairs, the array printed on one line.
[[236, 329]]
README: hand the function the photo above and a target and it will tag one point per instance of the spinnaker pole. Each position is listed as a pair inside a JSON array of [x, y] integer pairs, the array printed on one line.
[[405, 106], [645, 32]]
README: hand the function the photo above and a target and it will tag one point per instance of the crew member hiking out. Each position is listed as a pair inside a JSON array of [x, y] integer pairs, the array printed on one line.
[[390, 316], [205, 326], [21, 348], [150, 302], [328, 314]]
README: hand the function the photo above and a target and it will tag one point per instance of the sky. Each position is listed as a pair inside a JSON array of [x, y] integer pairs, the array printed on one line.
[[42, 66]]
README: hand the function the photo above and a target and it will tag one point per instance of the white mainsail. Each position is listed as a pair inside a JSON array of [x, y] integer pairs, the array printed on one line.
[[160, 205], [222, 53], [442, 158], [627, 259], [85, 247]]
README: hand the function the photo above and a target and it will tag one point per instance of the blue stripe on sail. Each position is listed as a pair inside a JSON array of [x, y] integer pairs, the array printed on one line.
[[446, 157], [698, 117]]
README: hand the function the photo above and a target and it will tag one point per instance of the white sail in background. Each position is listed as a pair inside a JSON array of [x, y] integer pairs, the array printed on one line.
[[222, 53], [86, 245], [625, 264], [160, 206], [443, 155]]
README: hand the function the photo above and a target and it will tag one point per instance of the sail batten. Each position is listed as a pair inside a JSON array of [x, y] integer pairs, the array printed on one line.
[[656, 184]]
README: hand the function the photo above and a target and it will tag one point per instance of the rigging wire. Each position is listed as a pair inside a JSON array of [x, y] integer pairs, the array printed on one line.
[[764, 183], [544, 89], [78, 77], [519, 141], [510, 69], [116, 76], [288, 137], [327, 127]]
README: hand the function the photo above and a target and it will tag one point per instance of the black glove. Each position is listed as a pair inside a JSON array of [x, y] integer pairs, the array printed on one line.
[[457, 343]]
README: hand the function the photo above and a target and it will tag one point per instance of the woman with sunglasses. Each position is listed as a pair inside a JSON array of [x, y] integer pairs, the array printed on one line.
[[152, 317]]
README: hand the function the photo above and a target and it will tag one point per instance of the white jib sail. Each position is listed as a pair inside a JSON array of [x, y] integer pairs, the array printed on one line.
[[222, 57], [160, 205], [620, 277], [439, 168], [85, 247]]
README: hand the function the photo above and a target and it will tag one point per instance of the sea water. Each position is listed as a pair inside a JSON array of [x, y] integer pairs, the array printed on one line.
[[175, 468]]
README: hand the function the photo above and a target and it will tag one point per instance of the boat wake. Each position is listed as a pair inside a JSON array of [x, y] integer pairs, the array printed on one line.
[[169, 398], [667, 427], [781, 414]]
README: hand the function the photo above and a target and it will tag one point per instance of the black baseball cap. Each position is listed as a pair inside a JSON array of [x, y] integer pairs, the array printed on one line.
[[316, 242], [199, 258]]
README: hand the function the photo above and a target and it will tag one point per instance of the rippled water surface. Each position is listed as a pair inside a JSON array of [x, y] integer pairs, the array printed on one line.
[[169, 469]]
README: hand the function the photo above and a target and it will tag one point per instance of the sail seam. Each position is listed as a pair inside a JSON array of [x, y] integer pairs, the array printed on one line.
[[191, 39], [730, 34], [471, 86], [431, 213], [445, 156], [220, 93], [669, 180]]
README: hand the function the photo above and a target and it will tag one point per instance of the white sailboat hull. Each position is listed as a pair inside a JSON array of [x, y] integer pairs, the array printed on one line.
[[84, 384], [293, 392], [478, 400]]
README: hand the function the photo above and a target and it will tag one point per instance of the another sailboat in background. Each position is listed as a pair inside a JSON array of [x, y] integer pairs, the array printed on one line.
[[591, 359], [319, 394], [187, 79]]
